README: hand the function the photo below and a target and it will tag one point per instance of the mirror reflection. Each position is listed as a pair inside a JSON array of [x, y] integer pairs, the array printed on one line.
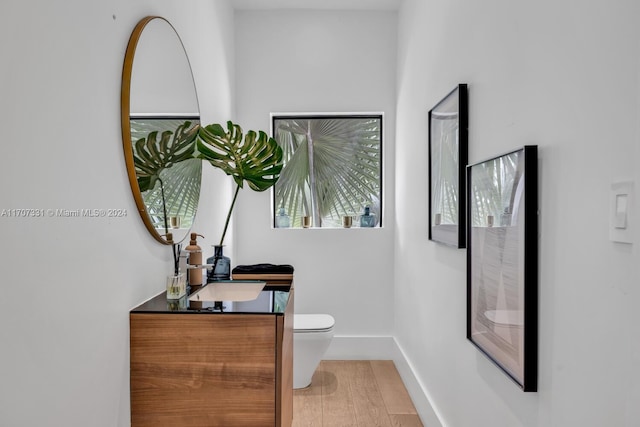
[[160, 119], [444, 161], [496, 191], [448, 135]]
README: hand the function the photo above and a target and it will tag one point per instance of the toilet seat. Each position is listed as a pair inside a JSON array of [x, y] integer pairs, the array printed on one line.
[[303, 323]]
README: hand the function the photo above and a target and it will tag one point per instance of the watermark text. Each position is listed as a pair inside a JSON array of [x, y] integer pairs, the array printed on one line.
[[63, 213]]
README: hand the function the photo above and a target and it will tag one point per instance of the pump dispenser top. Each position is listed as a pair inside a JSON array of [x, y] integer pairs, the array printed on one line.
[[193, 243]]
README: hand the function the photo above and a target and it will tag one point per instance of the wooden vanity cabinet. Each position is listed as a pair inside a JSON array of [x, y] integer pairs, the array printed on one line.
[[212, 369], [284, 365]]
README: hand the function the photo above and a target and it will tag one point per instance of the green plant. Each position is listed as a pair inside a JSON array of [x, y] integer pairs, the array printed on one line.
[[255, 158], [167, 157], [152, 155]]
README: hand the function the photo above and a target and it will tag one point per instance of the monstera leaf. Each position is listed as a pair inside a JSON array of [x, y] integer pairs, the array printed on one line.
[[255, 158], [152, 155]]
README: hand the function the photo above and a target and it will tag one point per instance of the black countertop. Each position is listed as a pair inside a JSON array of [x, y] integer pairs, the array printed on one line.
[[272, 300]]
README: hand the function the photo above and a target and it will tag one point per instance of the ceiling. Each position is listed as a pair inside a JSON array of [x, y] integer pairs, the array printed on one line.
[[318, 4]]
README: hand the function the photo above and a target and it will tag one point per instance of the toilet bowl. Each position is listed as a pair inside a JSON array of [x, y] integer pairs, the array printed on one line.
[[312, 334], [507, 324]]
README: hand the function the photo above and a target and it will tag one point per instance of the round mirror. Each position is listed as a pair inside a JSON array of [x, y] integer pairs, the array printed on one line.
[[160, 120]]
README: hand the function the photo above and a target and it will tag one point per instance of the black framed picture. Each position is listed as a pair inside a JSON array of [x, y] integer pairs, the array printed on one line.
[[448, 142], [502, 262]]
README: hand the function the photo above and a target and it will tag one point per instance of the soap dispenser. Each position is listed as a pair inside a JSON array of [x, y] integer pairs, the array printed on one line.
[[367, 219], [195, 259]]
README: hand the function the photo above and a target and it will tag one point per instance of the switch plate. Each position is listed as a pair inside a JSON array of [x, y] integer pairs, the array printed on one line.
[[621, 202]]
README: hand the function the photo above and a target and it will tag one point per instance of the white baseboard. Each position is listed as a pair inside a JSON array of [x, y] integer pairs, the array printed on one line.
[[361, 348], [385, 348], [417, 390]]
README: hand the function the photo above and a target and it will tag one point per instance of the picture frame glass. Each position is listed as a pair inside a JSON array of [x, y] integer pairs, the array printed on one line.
[[496, 254], [447, 162]]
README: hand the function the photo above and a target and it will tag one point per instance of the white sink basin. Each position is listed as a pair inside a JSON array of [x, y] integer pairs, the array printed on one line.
[[233, 290]]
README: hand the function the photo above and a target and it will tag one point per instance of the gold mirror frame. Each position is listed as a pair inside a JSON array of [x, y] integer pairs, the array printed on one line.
[[125, 109]]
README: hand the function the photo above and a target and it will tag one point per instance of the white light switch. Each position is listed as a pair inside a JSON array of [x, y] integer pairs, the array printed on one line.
[[621, 211], [621, 206]]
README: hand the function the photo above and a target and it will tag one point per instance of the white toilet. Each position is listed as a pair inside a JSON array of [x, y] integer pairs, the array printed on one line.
[[507, 324], [312, 334]]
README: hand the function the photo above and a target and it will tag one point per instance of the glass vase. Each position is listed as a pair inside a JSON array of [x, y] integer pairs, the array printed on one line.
[[221, 265], [368, 219], [176, 286], [282, 219]]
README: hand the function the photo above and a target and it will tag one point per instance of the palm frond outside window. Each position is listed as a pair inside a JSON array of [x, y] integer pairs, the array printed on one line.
[[445, 163], [332, 167], [493, 193]]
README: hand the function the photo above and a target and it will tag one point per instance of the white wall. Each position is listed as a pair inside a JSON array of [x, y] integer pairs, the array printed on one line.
[[68, 283], [563, 75], [321, 61]]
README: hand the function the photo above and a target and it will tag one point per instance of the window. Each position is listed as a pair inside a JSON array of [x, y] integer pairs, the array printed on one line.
[[332, 171]]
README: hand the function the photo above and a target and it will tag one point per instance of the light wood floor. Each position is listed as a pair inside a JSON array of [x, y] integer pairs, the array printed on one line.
[[354, 393]]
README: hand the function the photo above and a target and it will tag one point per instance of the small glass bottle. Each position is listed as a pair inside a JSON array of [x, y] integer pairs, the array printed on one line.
[[505, 217], [367, 219], [282, 219], [222, 269]]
